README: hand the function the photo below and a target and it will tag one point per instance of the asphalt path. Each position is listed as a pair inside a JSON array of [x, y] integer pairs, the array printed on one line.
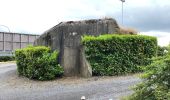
[[13, 87]]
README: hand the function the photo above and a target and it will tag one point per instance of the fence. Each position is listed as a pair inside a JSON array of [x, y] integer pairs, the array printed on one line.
[[11, 41]]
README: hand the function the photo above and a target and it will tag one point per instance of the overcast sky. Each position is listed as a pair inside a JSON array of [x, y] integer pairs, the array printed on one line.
[[151, 17]]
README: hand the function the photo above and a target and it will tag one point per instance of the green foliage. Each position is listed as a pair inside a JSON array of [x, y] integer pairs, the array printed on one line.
[[38, 63], [119, 54], [162, 51], [156, 81], [6, 58]]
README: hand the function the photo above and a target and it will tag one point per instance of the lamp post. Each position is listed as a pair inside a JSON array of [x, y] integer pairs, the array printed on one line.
[[122, 9]]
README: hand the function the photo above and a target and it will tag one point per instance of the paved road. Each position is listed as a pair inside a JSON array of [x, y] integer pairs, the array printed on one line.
[[13, 87]]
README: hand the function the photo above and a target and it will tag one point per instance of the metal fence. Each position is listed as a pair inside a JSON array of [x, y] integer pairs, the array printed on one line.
[[9, 42]]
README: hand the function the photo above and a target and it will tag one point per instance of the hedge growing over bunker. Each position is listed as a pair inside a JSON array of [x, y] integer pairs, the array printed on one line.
[[119, 54], [38, 63]]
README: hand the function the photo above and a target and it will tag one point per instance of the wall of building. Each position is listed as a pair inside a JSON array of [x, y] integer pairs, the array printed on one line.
[[12, 41]]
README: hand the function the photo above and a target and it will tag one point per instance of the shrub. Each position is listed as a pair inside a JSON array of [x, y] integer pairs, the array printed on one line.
[[156, 81], [38, 63], [118, 54], [162, 51], [6, 58]]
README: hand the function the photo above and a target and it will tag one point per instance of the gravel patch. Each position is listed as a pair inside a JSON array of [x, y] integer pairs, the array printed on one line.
[[13, 87]]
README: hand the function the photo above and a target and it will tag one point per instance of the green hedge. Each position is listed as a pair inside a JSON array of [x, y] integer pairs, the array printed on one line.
[[38, 63], [156, 84], [162, 51], [118, 54], [6, 58]]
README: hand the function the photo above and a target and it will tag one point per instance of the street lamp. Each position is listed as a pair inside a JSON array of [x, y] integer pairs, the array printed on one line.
[[122, 9]]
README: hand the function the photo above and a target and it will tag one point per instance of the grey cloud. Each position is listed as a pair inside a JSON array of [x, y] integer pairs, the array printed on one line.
[[147, 19]]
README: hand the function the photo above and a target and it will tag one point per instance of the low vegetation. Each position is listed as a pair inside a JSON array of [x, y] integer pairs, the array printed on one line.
[[38, 63], [119, 54], [162, 51], [156, 81], [6, 58]]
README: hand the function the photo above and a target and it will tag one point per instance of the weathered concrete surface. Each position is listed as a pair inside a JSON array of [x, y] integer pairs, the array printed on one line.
[[66, 37], [13, 87], [70, 61], [85, 69]]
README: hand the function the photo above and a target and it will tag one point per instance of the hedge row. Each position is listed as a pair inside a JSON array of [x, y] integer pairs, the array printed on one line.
[[118, 54], [38, 63], [6, 58]]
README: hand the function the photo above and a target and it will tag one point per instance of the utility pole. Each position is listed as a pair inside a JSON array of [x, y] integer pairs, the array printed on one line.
[[122, 9]]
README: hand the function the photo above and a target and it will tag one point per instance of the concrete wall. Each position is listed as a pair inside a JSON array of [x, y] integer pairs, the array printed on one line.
[[13, 41]]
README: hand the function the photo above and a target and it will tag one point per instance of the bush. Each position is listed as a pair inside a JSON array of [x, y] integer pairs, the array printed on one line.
[[38, 63], [119, 54], [162, 51], [6, 58], [156, 81]]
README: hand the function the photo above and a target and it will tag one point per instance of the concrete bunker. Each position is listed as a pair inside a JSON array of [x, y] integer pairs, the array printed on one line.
[[66, 38]]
